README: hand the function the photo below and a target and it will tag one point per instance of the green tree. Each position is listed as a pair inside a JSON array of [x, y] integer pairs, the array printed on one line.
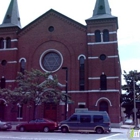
[[34, 88], [132, 80]]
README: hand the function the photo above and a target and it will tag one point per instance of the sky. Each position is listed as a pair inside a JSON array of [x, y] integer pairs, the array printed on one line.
[[127, 12]]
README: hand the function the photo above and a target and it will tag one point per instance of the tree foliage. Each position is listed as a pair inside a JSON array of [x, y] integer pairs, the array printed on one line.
[[34, 88], [132, 85]]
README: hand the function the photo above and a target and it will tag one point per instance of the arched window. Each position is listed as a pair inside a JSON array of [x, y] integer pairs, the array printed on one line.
[[105, 35], [22, 65], [103, 106], [82, 73], [8, 42], [1, 43], [97, 36], [103, 82]]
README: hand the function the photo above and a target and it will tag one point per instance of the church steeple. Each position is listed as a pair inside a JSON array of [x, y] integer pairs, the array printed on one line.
[[12, 18], [101, 10]]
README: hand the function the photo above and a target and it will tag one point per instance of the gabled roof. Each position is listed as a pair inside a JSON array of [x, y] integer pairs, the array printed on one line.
[[11, 18], [52, 12], [101, 10]]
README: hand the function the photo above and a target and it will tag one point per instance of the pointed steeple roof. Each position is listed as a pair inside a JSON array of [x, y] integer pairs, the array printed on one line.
[[101, 10], [12, 18]]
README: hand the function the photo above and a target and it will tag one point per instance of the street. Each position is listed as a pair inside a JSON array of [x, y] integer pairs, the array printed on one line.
[[116, 134]]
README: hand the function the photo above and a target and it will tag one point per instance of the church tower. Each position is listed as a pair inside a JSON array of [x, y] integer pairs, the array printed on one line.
[[104, 71], [8, 45]]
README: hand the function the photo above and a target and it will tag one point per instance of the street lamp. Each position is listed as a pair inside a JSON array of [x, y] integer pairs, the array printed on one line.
[[66, 89], [135, 110]]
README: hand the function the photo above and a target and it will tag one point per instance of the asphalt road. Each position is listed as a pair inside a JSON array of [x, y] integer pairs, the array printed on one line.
[[116, 134]]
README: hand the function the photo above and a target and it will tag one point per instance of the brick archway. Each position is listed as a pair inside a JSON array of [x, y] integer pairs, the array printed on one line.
[[103, 98]]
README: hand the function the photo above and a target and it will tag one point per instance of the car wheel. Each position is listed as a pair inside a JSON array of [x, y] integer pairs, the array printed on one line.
[[22, 129], [64, 129], [99, 130], [46, 129]]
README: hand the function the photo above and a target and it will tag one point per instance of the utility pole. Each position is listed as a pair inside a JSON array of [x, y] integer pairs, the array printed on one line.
[[66, 89]]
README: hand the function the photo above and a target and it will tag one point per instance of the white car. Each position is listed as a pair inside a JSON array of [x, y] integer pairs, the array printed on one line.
[[5, 125], [128, 121]]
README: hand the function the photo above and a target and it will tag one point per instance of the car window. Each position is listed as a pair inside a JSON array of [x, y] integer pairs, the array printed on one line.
[[32, 121], [73, 118], [41, 120], [47, 120], [98, 118], [106, 119], [85, 118]]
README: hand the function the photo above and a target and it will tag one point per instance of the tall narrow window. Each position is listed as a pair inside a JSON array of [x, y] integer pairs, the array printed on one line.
[[97, 36], [82, 73], [103, 82], [22, 65], [2, 84], [1, 43], [8, 42], [105, 35], [2, 110], [19, 112]]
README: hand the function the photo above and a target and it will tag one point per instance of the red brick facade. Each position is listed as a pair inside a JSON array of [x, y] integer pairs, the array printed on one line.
[[54, 32]]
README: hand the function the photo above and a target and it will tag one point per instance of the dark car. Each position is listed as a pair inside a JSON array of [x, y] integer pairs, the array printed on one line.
[[87, 121], [41, 124], [5, 125]]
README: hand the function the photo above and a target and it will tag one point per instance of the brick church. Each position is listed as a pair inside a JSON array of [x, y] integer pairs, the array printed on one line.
[[84, 55]]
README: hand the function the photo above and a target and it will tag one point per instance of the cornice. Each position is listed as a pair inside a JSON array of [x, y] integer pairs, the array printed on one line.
[[103, 21], [9, 29]]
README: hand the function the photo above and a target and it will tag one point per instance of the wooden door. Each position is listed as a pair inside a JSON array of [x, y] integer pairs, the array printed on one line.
[[51, 111]]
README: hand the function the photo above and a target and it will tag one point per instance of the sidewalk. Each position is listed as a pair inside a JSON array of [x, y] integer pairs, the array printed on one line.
[[121, 129], [125, 126]]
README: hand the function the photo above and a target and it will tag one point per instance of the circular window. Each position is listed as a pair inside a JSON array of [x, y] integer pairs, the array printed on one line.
[[3, 62], [102, 57], [51, 28], [51, 61]]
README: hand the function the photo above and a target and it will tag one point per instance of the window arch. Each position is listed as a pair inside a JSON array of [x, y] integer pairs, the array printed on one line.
[[103, 82], [8, 42], [1, 43], [105, 35], [97, 36], [22, 65], [103, 106], [82, 73]]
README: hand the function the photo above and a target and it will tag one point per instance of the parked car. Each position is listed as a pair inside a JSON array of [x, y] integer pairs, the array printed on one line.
[[128, 121], [40, 124], [5, 125], [87, 121]]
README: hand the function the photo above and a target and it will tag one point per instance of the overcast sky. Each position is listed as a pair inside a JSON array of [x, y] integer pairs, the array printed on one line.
[[127, 12]]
